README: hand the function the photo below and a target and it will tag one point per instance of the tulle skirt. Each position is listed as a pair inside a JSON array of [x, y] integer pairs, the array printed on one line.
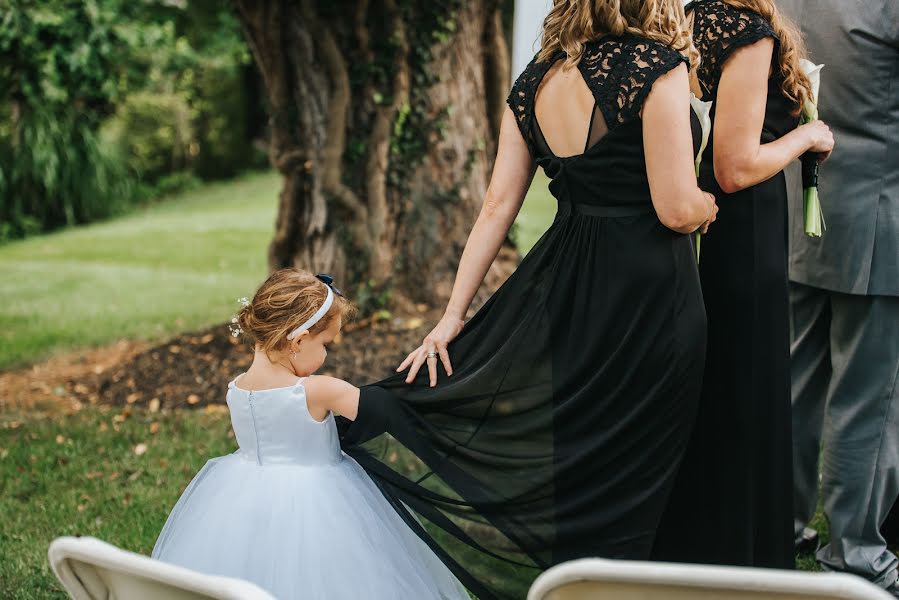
[[310, 532]]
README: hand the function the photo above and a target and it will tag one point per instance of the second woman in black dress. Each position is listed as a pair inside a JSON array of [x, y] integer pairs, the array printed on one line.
[[732, 503], [564, 405]]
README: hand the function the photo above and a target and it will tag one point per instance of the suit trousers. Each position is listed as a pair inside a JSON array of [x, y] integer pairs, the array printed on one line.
[[844, 365]]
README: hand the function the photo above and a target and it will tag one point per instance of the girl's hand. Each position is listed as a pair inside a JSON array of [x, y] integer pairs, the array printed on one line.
[[820, 139], [435, 343]]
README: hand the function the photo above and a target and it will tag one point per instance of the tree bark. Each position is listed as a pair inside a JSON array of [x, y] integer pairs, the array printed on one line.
[[384, 116]]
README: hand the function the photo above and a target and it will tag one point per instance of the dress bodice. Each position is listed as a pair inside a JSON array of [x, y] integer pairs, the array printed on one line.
[[609, 177], [274, 427]]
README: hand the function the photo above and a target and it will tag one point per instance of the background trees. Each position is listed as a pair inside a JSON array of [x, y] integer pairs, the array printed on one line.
[[106, 102]]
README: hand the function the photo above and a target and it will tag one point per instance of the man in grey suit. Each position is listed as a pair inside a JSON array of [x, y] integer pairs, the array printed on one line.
[[845, 290]]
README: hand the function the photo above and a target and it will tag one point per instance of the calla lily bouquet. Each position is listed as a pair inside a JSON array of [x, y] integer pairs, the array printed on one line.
[[703, 111], [813, 218]]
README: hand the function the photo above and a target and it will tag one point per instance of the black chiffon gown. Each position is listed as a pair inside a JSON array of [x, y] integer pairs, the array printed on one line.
[[575, 385], [733, 501]]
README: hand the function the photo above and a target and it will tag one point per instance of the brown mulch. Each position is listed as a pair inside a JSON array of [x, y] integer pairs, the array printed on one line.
[[55, 384], [193, 370]]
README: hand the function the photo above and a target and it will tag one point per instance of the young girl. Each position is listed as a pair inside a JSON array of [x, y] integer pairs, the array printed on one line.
[[289, 511]]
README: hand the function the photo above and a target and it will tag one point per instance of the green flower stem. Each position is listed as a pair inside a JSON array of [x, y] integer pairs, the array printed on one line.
[[811, 209]]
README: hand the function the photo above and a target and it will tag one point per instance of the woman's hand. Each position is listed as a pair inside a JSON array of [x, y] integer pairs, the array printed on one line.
[[713, 212], [434, 344], [820, 139]]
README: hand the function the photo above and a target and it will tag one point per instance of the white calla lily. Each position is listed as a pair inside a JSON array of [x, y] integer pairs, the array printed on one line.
[[813, 72], [703, 111]]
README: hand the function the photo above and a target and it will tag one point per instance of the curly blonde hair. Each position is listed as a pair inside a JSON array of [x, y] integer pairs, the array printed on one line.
[[796, 86], [286, 300], [572, 23]]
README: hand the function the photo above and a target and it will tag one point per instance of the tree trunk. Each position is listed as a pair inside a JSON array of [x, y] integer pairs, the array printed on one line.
[[384, 115]]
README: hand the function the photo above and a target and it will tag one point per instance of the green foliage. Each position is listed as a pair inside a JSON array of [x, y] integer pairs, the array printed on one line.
[[102, 101], [154, 131], [58, 66], [373, 297]]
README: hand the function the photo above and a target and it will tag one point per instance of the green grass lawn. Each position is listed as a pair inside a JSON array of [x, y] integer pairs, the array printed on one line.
[[88, 474], [176, 266]]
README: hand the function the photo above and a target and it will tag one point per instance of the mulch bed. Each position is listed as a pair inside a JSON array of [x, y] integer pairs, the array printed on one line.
[[193, 370]]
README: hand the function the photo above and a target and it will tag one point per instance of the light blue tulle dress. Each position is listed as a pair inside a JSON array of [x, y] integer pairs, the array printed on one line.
[[291, 513]]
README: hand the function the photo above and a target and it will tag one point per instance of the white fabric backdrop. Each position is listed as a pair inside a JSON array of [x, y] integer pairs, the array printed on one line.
[[527, 26]]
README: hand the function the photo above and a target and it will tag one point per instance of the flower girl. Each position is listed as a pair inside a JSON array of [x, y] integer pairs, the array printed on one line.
[[289, 511]]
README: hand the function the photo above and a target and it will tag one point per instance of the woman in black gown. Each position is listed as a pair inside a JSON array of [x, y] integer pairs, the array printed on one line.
[[564, 405], [732, 503]]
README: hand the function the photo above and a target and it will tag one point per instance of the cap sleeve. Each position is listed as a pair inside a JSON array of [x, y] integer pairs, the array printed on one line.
[[521, 97], [719, 30], [662, 59]]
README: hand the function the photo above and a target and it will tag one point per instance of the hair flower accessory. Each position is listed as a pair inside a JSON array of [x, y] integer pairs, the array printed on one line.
[[234, 326]]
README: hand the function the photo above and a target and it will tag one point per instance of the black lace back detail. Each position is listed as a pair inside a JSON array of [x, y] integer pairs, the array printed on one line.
[[619, 71], [718, 30]]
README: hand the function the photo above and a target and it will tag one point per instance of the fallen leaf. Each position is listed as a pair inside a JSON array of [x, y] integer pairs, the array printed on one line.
[[93, 475], [193, 399], [132, 398], [154, 405], [414, 323], [174, 349], [140, 449], [60, 439], [154, 427], [207, 338]]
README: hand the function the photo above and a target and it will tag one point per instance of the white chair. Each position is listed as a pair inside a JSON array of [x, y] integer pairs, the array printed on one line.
[[600, 579], [90, 569]]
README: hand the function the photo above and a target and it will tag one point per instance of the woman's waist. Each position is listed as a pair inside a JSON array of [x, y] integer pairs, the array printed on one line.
[[610, 210]]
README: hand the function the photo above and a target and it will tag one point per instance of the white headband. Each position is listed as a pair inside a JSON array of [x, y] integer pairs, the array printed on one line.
[[318, 316]]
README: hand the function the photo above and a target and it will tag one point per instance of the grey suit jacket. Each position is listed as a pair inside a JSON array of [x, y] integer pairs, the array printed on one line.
[[858, 42]]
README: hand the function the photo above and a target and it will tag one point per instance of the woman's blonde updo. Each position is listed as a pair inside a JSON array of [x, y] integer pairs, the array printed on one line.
[[572, 23], [795, 86], [287, 299]]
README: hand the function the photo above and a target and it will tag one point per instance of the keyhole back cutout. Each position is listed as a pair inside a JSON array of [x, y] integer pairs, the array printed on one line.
[[567, 118]]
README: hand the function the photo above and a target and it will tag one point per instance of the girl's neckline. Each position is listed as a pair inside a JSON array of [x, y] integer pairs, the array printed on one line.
[[234, 385]]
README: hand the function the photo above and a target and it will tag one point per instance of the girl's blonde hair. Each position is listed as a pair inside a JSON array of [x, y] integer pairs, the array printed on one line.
[[796, 86], [572, 23], [286, 300]]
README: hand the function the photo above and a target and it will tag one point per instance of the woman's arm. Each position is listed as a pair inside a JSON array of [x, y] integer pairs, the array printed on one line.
[[668, 147], [741, 160], [512, 174]]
